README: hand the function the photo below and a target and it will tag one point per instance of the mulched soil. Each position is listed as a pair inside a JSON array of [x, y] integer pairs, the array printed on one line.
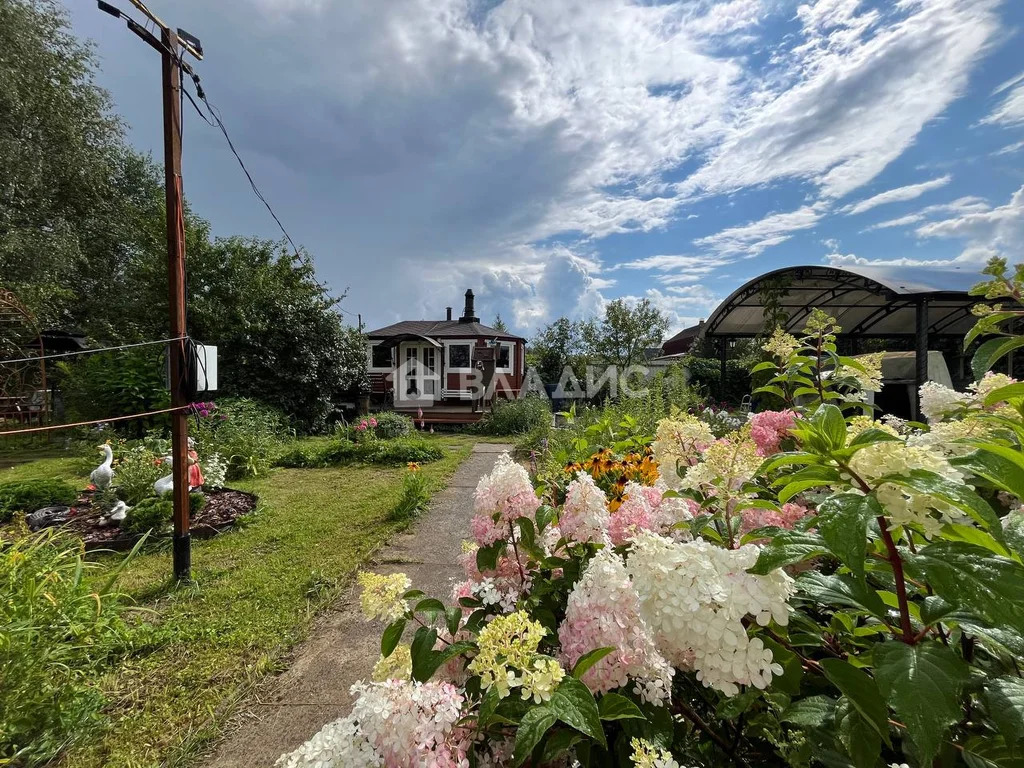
[[223, 507]]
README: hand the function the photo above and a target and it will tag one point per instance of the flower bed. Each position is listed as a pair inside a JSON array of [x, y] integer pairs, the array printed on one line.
[[815, 587]]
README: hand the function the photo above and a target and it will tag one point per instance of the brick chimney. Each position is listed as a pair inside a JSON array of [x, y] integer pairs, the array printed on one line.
[[468, 314]]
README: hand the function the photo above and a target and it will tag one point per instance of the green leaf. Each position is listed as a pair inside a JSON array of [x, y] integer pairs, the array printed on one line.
[[614, 706], [792, 489], [535, 723], [843, 524], [489, 705], [589, 659], [840, 589], [871, 436], [922, 684], [558, 744], [1001, 466], [975, 580], [575, 706], [991, 351], [857, 735], [792, 668], [1004, 698], [972, 535], [544, 516], [454, 619], [862, 692], [987, 324], [831, 426], [787, 459], [422, 652], [1004, 393], [957, 494], [392, 635], [812, 712], [487, 557], [787, 548], [767, 365], [429, 605]]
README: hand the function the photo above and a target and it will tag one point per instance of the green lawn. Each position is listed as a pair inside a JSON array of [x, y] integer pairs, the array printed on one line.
[[256, 591]]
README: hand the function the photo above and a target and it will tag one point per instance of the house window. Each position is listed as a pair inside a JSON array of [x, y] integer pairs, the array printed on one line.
[[458, 356], [380, 356], [504, 353]]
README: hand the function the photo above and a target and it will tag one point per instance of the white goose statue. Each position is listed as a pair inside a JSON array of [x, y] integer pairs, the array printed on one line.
[[104, 473], [166, 483]]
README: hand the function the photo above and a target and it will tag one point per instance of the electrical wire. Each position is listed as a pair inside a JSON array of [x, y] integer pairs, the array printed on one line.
[[55, 427], [91, 351]]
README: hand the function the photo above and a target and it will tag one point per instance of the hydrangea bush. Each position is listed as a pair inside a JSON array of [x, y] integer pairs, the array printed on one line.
[[815, 587]]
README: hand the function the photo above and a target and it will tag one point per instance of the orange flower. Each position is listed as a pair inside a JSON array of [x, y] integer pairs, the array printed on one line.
[[413, 466]]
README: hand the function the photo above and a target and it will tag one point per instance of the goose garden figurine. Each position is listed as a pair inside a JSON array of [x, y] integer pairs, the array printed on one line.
[[104, 473], [166, 483]]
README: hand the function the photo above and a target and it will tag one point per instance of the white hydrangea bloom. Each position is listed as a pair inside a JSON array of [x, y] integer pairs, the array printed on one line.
[[339, 744], [937, 400], [603, 611], [902, 505], [695, 596]]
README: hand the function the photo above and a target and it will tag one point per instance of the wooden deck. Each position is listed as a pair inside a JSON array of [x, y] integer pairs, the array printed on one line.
[[444, 414]]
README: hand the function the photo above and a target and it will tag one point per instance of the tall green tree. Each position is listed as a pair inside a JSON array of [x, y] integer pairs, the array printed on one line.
[[82, 239], [625, 331], [558, 345]]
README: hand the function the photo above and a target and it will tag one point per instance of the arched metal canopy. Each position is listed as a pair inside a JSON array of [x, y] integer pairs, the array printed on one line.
[[862, 305]]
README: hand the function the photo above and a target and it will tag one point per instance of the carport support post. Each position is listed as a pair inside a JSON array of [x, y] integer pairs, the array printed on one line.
[[921, 357], [724, 352]]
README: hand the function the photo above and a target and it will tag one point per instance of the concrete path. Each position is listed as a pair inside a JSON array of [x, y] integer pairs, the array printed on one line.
[[342, 647]]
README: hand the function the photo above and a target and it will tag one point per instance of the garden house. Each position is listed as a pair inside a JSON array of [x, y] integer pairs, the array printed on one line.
[[449, 369]]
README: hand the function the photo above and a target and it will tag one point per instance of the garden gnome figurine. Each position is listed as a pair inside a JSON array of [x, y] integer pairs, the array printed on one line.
[[195, 472]]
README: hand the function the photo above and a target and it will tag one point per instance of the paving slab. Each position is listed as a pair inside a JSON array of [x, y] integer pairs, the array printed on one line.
[[342, 647]]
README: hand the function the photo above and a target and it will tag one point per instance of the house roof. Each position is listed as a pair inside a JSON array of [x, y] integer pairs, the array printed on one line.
[[441, 329]]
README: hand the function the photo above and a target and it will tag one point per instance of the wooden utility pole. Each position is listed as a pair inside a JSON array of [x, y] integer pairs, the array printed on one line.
[[176, 300], [169, 46]]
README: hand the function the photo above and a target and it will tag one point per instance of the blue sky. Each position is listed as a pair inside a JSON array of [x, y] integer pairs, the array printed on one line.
[[556, 154]]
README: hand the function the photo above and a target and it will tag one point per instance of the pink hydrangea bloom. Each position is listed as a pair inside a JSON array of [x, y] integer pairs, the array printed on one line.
[[769, 428], [787, 517], [413, 724], [603, 611], [502, 497], [584, 516], [373, 423], [633, 515]]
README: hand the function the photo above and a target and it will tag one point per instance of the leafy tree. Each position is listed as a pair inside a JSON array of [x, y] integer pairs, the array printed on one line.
[[626, 331], [82, 242], [557, 345], [499, 324]]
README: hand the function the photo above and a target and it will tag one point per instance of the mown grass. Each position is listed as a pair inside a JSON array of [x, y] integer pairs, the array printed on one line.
[[199, 649]]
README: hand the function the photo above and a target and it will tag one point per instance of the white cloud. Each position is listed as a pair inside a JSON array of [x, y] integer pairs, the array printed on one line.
[[967, 204], [1010, 149], [419, 147], [853, 97], [752, 239], [994, 232], [683, 306], [1010, 110], [898, 195]]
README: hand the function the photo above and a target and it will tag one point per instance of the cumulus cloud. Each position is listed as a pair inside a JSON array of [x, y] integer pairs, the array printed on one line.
[[898, 195], [684, 306], [420, 147]]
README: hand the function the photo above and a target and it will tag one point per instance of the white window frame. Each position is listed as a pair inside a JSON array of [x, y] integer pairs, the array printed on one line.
[[511, 357], [369, 358], [447, 355]]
